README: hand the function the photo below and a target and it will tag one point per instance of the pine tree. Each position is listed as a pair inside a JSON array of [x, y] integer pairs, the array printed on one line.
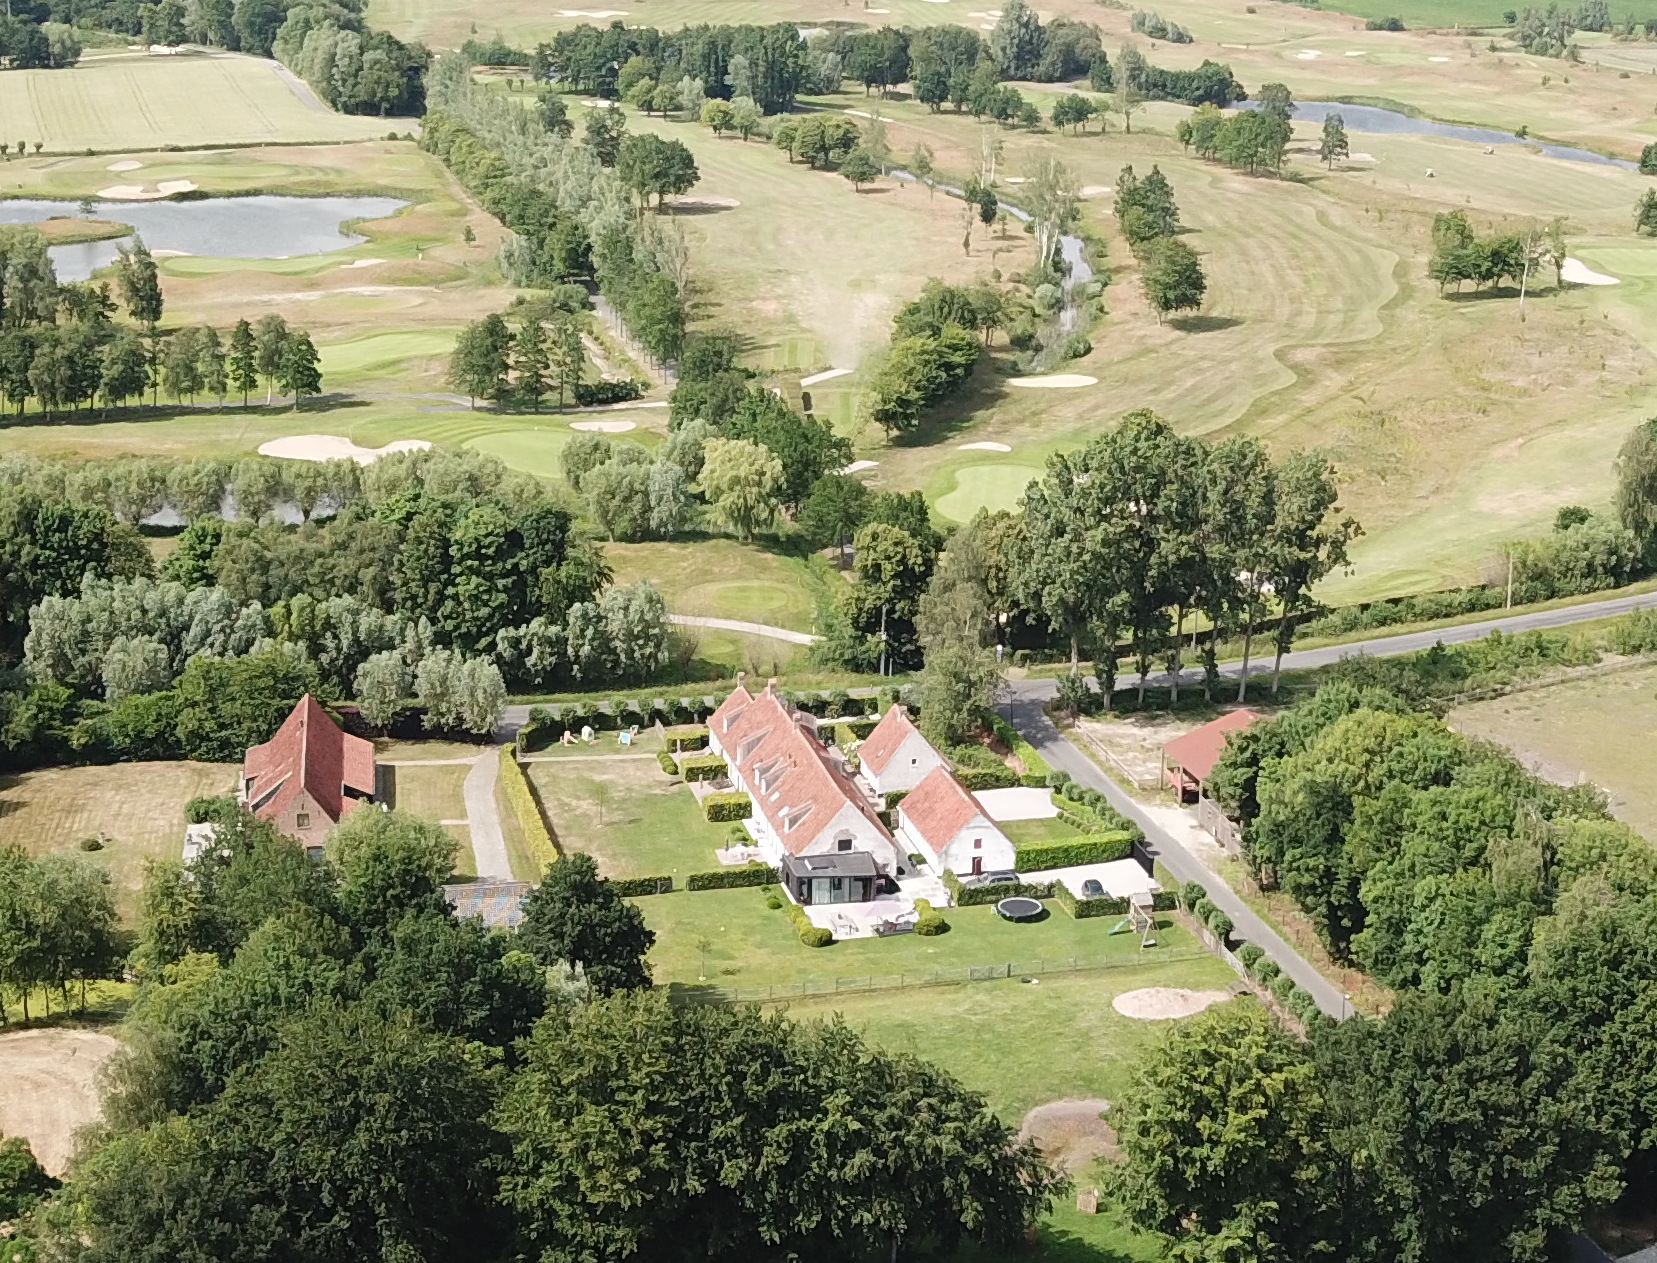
[[211, 363], [270, 338], [140, 284], [299, 375], [531, 363], [244, 359]]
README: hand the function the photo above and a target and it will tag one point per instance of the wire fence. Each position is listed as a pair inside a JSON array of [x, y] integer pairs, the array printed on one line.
[[811, 988]]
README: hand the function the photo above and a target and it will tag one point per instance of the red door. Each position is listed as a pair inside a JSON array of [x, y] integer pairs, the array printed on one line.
[[977, 865]]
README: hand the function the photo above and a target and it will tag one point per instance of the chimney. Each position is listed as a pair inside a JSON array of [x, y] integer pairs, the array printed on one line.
[[771, 686]]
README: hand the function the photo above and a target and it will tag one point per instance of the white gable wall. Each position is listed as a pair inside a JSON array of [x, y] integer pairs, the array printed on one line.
[[979, 837], [906, 768]]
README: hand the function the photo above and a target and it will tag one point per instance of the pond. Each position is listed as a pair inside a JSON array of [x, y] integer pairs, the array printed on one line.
[[262, 227], [1369, 118]]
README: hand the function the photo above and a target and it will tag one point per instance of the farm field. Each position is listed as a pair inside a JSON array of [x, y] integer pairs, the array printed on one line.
[[124, 100], [1603, 728], [138, 808]]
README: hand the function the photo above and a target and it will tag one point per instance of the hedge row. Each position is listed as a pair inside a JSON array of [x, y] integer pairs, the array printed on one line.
[[1290, 994], [632, 887], [1096, 848], [683, 737], [977, 778], [971, 896], [1095, 804], [752, 874], [702, 767], [542, 845], [811, 935], [862, 726], [1036, 769], [720, 808]]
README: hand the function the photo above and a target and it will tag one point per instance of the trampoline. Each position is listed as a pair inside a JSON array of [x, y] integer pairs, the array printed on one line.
[[1019, 908]]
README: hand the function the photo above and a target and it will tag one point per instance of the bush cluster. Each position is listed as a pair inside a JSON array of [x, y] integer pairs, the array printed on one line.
[[1421, 608], [930, 922], [1106, 816], [668, 764], [811, 935]]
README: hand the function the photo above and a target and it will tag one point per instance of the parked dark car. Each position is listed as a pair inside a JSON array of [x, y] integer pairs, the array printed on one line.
[[1091, 889]]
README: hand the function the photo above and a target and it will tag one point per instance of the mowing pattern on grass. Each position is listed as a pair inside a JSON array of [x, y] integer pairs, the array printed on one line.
[[138, 807], [128, 102], [628, 816]]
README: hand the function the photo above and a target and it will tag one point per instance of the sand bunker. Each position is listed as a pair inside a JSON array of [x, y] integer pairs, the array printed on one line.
[[858, 466], [1308, 54], [126, 164], [1070, 1134], [1438, 59], [1579, 273], [1357, 52], [710, 201], [1360, 157], [1054, 381], [362, 263], [323, 447], [48, 1088], [825, 376], [1096, 190], [604, 427], [143, 193], [592, 13], [1156, 1004], [985, 447]]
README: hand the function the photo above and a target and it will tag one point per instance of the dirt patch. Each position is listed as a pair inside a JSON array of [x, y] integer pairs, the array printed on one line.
[[48, 1088], [1159, 1004], [1071, 1134], [1131, 745]]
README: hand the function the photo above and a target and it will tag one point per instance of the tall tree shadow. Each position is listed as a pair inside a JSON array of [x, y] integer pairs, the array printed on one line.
[[1204, 324]]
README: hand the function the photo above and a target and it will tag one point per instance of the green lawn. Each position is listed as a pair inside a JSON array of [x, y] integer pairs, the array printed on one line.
[[628, 815], [1025, 832], [723, 578], [432, 792], [755, 946], [993, 486]]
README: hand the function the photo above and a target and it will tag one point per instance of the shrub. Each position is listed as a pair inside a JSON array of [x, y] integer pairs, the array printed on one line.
[[667, 761], [753, 874], [682, 737], [737, 835], [1191, 894], [1095, 849], [773, 901], [702, 767], [811, 935], [1303, 1004], [1220, 925], [1058, 780], [91, 844], [1265, 970], [1250, 954], [1203, 909], [202, 809], [540, 731], [1282, 987], [543, 847], [894, 797], [930, 920], [587, 394], [917, 859], [633, 887], [862, 727], [719, 808]]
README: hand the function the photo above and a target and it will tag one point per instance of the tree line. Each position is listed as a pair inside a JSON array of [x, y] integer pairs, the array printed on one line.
[[62, 348], [1170, 272], [510, 1076], [354, 68], [542, 357], [57, 929], [1513, 919], [402, 578], [579, 222], [1460, 255]]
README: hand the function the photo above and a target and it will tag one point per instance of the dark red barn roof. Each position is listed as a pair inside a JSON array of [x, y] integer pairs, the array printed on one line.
[[1199, 750], [311, 752]]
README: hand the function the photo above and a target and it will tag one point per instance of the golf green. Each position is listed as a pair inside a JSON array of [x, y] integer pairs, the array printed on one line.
[[991, 487]]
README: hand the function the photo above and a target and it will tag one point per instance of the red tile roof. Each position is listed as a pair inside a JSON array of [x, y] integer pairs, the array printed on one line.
[[1199, 750], [786, 769], [939, 808], [309, 752], [881, 744]]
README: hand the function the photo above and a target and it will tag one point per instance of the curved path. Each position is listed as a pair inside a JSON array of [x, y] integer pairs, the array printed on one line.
[[749, 629]]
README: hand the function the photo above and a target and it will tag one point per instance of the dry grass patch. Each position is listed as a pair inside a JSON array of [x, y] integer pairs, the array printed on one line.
[[432, 792], [48, 1088], [138, 808]]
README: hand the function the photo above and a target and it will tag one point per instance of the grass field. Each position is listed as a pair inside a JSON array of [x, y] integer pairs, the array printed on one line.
[[724, 578], [626, 813], [123, 100], [1603, 728], [432, 792], [138, 808]]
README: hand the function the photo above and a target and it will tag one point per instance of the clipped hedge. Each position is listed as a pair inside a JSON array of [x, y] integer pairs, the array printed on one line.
[[752, 874], [632, 887], [669, 764], [541, 731], [683, 737], [1036, 769], [973, 896], [974, 779], [1082, 909], [702, 767], [1096, 849], [930, 920], [862, 726], [521, 799], [1099, 806], [811, 935], [720, 808]]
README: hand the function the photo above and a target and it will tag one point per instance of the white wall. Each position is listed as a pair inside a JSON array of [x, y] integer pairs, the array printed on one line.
[[956, 854], [908, 767]]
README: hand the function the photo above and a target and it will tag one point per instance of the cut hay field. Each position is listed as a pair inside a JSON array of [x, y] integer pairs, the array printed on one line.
[[137, 807], [1603, 729], [124, 100]]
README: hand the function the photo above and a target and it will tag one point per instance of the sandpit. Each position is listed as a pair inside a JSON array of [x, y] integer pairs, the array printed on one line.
[[1054, 381], [1353, 52], [48, 1088], [1579, 273], [325, 447], [1438, 59], [1070, 1133], [604, 427], [126, 164], [592, 13], [143, 193], [1360, 157], [858, 466], [710, 201], [1308, 54], [826, 375], [1095, 190], [362, 263], [1158, 1004], [985, 446]]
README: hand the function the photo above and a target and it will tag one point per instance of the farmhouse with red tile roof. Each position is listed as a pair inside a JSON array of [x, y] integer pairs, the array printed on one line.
[[895, 756], [948, 825], [308, 776], [808, 817]]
